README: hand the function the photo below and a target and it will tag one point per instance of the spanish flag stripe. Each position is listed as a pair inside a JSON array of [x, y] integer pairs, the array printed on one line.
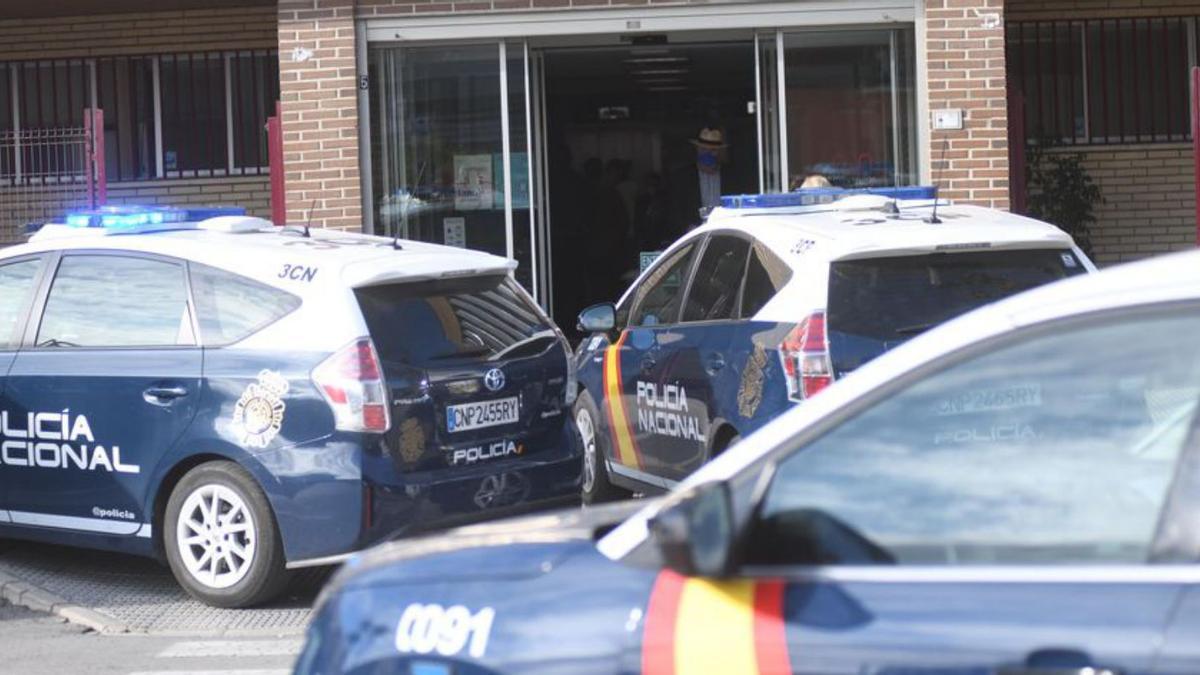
[[698, 626], [714, 628], [658, 641], [618, 421], [770, 632]]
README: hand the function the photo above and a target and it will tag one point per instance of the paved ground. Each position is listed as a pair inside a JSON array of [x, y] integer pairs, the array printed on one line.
[[37, 643], [139, 595]]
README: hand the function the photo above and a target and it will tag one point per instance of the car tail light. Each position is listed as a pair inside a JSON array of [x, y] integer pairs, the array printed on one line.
[[352, 383], [805, 355]]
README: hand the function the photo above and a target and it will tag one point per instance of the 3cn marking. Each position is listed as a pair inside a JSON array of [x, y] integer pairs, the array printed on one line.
[[298, 272]]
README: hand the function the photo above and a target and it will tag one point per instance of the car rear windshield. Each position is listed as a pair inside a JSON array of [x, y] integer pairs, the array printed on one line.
[[431, 322], [893, 299]]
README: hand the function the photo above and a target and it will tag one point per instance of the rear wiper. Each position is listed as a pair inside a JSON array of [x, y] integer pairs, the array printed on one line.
[[915, 328], [532, 339], [472, 351], [55, 342]]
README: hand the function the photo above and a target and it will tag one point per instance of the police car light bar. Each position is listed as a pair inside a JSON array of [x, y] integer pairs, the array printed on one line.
[[124, 217], [820, 196]]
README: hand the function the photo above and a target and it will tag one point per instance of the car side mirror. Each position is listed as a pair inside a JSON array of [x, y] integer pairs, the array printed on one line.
[[600, 318], [695, 532]]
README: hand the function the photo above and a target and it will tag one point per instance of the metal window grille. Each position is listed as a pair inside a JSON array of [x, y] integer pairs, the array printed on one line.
[[167, 116], [1100, 81]]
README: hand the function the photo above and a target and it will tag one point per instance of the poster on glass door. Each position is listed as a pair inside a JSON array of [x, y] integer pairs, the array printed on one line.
[[473, 184]]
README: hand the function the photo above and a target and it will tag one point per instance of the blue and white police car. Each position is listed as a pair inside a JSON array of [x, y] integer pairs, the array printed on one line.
[[240, 399], [1013, 493], [774, 297]]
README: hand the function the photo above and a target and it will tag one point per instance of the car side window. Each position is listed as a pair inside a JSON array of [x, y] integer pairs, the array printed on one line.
[[17, 281], [230, 307], [115, 301], [766, 275], [658, 299], [718, 280], [1056, 449]]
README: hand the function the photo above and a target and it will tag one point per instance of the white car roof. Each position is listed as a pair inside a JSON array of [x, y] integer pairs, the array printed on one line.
[[255, 248], [857, 227], [1165, 279]]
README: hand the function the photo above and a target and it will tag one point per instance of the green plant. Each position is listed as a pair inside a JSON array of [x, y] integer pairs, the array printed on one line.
[[1061, 191]]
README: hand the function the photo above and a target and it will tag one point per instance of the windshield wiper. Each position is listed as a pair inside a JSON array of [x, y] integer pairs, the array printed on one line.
[[55, 342]]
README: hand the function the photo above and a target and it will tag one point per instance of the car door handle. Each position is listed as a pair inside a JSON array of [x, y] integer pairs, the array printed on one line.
[[715, 362], [648, 363], [163, 395]]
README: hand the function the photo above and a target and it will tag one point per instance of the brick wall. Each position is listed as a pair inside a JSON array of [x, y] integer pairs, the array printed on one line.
[[141, 33], [966, 71], [1149, 200], [251, 192], [320, 112]]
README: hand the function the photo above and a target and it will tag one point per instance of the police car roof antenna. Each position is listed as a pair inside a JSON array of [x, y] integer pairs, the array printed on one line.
[[312, 205], [937, 185]]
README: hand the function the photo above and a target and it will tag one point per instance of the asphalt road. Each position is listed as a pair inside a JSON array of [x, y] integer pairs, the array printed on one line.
[[36, 643]]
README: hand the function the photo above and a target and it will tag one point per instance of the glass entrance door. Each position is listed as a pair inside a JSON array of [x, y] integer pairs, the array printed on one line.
[[451, 145], [837, 107]]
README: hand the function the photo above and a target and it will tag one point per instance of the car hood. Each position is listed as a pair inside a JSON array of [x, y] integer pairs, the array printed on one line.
[[510, 548]]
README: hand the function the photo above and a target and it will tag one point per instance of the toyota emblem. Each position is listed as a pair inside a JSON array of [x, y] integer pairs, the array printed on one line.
[[494, 379]]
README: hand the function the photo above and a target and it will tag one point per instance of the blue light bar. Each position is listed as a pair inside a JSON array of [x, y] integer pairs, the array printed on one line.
[[817, 196], [119, 217]]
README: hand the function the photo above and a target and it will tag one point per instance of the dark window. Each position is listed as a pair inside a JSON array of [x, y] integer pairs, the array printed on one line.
[[193, 113], [439, 322], [254, 88], [230, 307], [658, 298], [766, 275], [878, 303], [112, 301], [125, 87], [1057, 449], [1102, 80], [16, 286], [205, 101], [718, 280]]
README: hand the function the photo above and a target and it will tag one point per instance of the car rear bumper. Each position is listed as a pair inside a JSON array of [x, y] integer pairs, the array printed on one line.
[[433, 500]]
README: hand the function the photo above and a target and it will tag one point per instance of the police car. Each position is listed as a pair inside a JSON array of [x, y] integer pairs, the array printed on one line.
[[774, 297], [1013, 493], [241, 399]]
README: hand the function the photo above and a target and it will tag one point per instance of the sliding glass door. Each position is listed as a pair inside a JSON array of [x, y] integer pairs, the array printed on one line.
[[451, 147], [837, 106]]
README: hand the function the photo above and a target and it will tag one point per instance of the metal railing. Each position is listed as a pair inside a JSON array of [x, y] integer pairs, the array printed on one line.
[[46, 172]]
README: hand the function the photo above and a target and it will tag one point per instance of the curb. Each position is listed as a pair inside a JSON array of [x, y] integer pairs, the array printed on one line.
[[24, 594]]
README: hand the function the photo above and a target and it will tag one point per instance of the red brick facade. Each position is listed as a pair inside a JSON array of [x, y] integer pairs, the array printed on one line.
[[965, 52], [320, 113]]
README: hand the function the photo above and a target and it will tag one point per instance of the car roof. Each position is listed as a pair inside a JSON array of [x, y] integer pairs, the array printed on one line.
[[1164, 279], [860, 226], [255, 248]]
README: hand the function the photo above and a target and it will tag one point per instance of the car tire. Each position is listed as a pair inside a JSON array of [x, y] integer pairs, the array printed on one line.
[[595, 484], [221, 539]]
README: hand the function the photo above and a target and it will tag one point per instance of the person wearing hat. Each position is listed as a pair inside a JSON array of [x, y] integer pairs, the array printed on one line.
[[710, 154]]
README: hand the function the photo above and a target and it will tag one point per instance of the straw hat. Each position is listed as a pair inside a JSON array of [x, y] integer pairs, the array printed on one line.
[[709, 138]]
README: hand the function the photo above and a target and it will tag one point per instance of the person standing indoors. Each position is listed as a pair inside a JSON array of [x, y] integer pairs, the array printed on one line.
[[710, 155]]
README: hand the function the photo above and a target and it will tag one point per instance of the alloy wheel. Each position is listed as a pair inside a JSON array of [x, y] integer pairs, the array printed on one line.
[[216, 536]]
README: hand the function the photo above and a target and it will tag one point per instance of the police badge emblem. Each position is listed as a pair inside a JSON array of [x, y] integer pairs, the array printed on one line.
[[258, 414]]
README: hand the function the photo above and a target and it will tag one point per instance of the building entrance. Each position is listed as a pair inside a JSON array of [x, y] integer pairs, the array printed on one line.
[[637, 139]]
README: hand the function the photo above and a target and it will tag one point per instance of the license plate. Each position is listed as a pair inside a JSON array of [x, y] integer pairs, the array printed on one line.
[[467, 416]]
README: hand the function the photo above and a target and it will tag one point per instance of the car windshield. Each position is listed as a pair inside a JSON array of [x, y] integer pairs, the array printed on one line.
[[878, 303]]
